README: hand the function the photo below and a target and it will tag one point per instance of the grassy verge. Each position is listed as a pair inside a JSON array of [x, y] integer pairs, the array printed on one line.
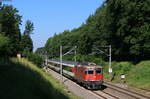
[[20, 79], [140, 75], [136, 75]]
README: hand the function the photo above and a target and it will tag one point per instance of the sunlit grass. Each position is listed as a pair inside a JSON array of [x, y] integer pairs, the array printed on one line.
[[140, 75], [136, 75]]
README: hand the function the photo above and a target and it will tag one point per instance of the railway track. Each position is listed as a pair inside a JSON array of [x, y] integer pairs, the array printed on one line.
[[144, 89], [115, 92], [99, 95], [126, 91], [105, 95]]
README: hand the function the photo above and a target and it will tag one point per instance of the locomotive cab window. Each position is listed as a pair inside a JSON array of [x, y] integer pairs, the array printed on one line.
[[98, 71], [89, 72], [86, 72]]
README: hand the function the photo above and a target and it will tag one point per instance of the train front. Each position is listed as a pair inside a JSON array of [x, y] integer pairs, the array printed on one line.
[[93, 77]]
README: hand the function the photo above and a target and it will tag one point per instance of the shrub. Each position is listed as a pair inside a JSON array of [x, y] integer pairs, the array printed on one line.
[[36, 59], [140, 75], [122, 67], [4, 44]]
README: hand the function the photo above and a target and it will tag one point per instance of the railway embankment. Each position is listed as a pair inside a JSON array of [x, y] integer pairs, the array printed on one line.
[[137, 76], [20, 79]]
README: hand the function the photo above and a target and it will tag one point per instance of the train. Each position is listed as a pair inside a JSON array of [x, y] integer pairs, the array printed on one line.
[[87, 74]]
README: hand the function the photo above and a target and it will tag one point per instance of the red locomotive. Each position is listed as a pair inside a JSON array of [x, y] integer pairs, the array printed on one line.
[[89, 75]]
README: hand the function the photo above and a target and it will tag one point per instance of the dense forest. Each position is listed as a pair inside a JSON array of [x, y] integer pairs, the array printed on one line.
[[123, 24], [12, 41]]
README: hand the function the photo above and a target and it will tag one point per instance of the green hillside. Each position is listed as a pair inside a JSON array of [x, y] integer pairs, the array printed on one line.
[[20, 79], [124, 24]]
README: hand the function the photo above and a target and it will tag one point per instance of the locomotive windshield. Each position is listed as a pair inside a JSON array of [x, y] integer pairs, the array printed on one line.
[[89, 72], [98, 71]]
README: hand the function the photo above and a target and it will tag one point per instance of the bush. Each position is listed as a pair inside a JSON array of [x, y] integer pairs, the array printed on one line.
[[36, 59], [4, 44], [140, 75], [122, 67]]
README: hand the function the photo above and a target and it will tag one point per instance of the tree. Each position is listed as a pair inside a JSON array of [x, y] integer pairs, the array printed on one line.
[[29, 27], [26, 44], [85, 45], [124, 24], [26, 41], [9, 25], [128, 24], [40, 51], [4, 42]]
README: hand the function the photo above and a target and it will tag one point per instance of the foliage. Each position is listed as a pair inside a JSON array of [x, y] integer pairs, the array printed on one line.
[[129, 28], [29, 27], [26, 41], [4, 43], [9, 23], [121, 67], [40, 51], [137, 75], [36, 59], [124, 24], [26, 45], [140, 75]]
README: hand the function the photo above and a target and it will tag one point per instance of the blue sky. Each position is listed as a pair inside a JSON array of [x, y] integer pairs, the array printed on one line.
[[54, 16]]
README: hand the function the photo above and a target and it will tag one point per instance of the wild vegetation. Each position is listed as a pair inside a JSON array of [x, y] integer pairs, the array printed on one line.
[[36, 59], [124, 24], [136, 75], [20, 79], [12, 41]]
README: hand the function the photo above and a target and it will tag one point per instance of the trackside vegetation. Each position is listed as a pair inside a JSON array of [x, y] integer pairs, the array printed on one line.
[[140, 75], [36, 59], [124, 24], [20, 79], [137, 74]]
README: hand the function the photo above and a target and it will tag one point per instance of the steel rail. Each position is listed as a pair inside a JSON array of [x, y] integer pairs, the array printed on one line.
[[99, 95], [111, 95], [128, 90]]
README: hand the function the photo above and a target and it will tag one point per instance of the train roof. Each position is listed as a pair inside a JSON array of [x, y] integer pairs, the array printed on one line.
[[72, 63]]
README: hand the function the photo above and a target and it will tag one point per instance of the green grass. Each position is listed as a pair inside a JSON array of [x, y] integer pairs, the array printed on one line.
[[140, 75], [20, 79], [136, 75]]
